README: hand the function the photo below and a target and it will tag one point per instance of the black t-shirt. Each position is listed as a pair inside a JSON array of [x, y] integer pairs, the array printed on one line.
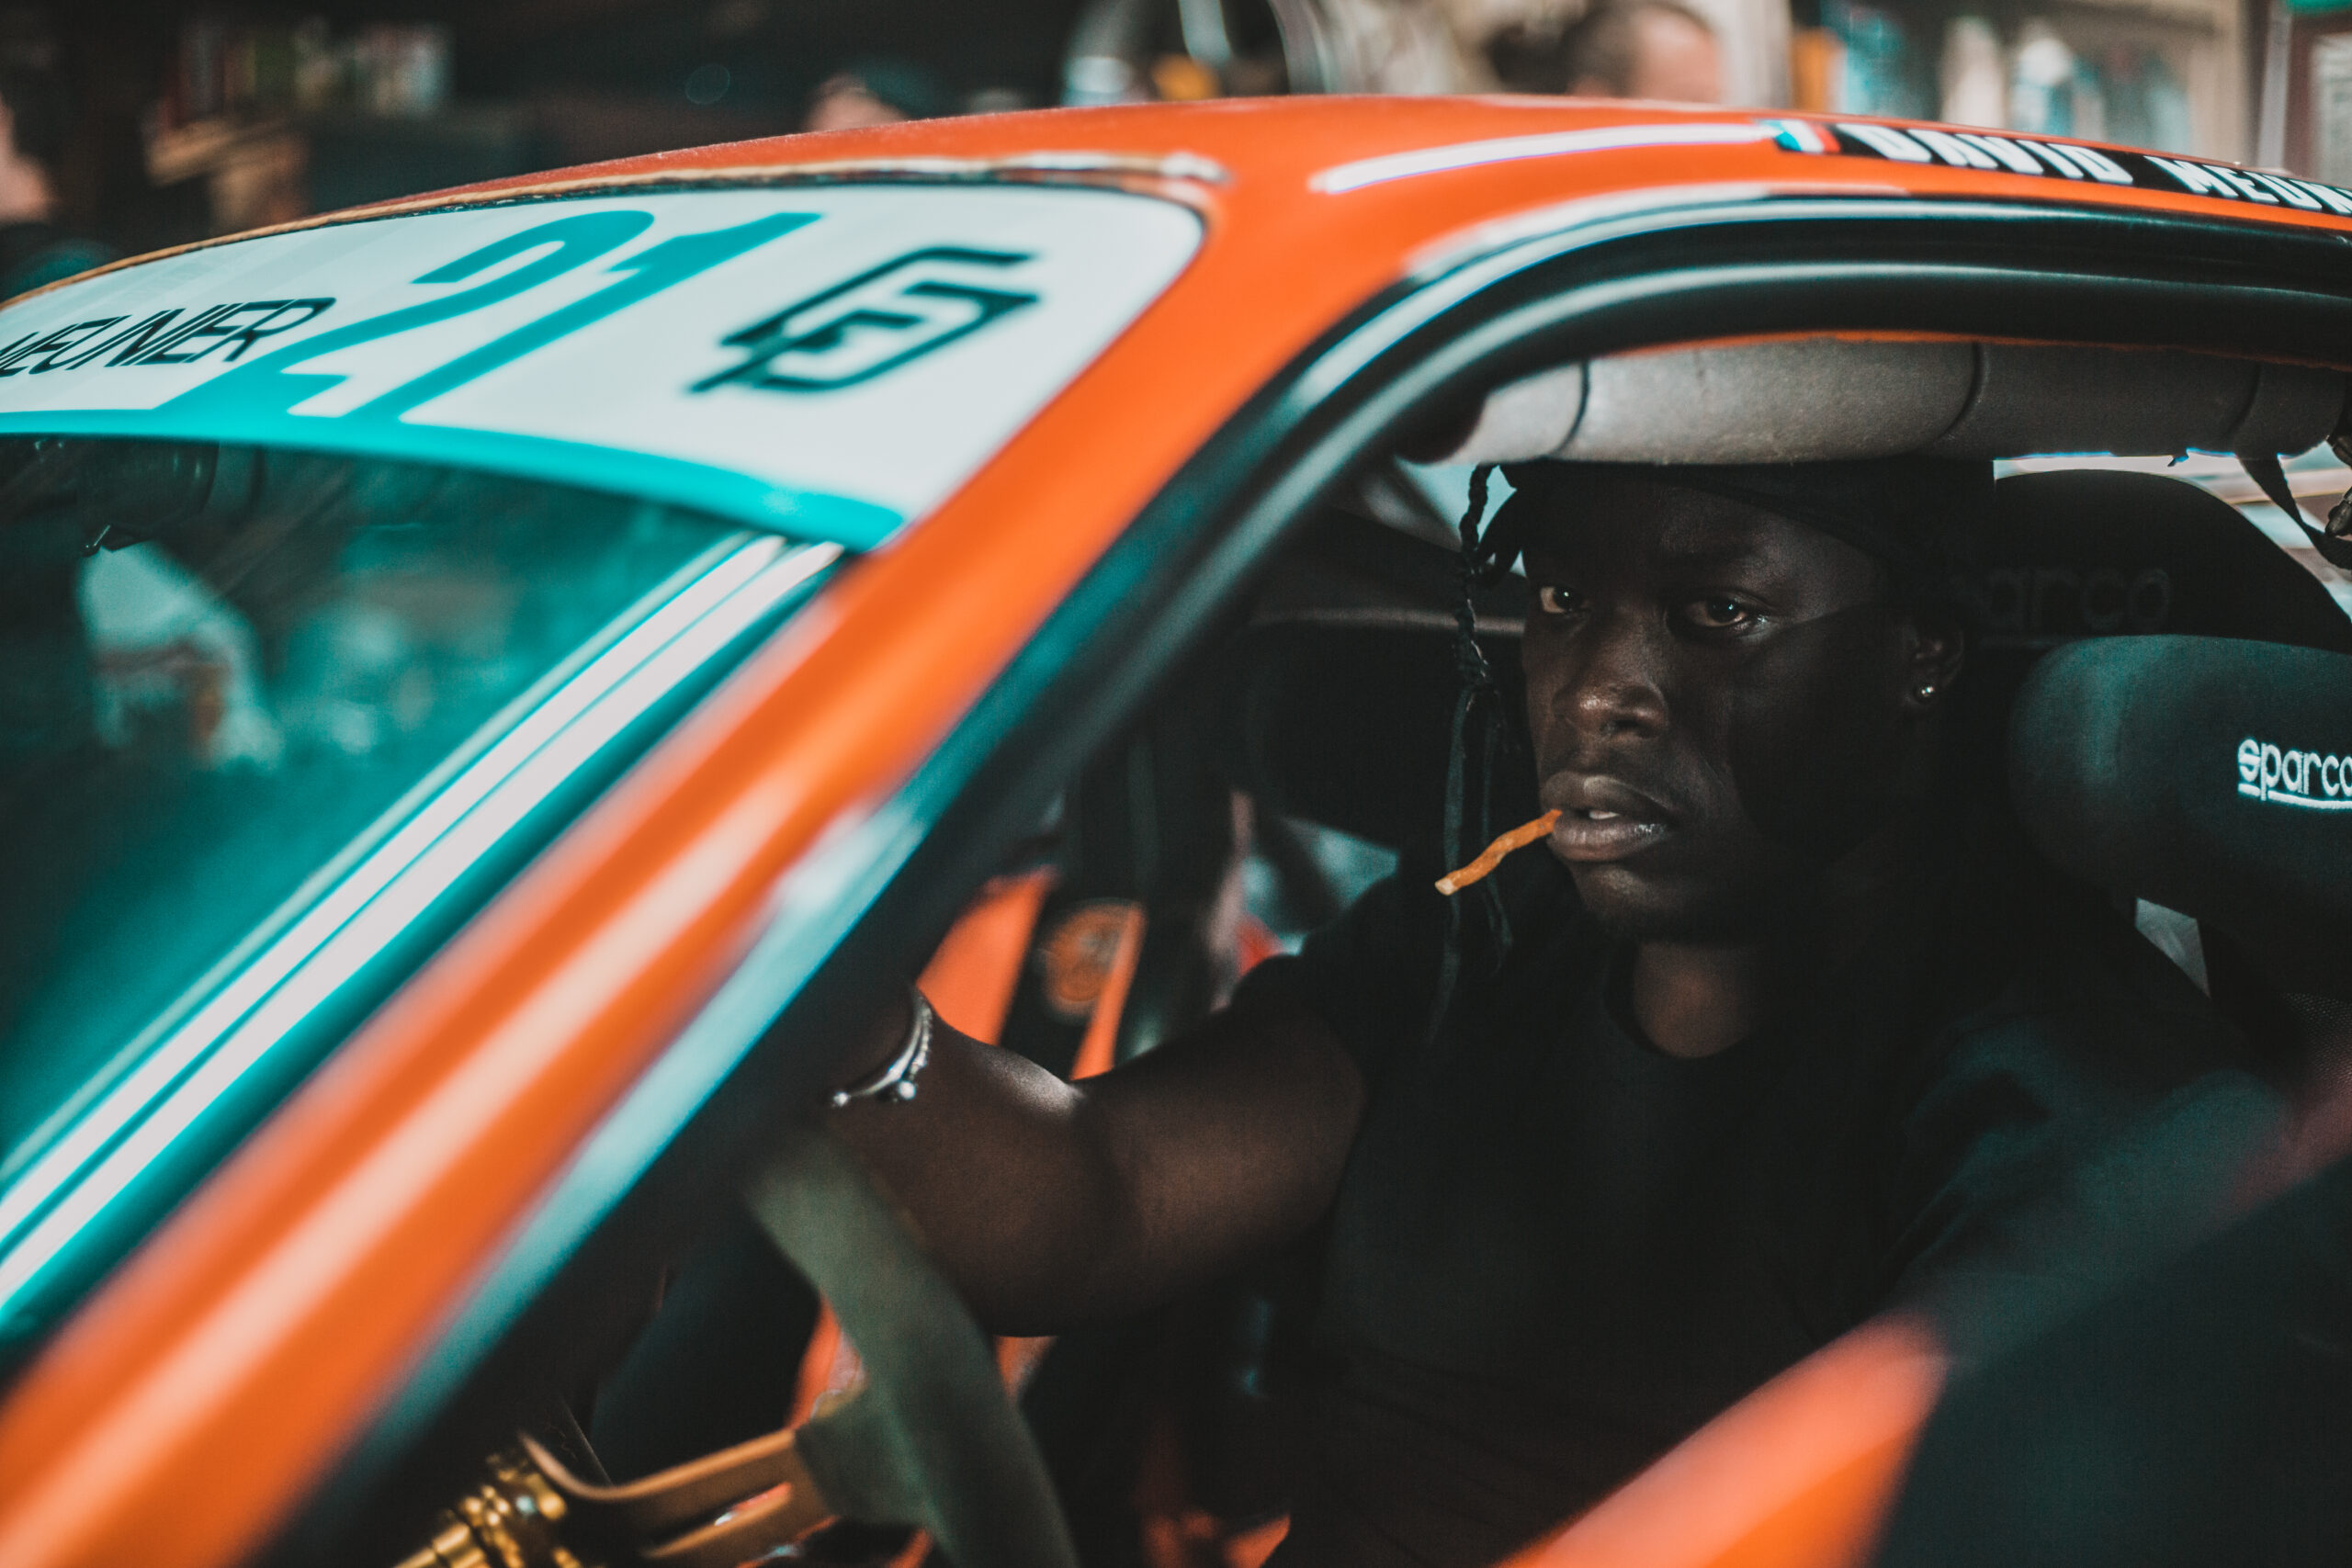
[[1558, 1250]]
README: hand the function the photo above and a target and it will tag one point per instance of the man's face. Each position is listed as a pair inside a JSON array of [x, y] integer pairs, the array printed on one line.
[[1717, 699]]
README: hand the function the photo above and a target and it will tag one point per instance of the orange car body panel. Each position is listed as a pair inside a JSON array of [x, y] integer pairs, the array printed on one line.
[[1799, 1474], [977, 967], [199, 1394]]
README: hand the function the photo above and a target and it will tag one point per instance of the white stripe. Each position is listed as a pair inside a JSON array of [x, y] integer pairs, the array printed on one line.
[[1507, 149]]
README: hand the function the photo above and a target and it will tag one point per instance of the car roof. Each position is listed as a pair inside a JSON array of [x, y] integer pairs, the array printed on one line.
[[1382, 191], [1427, 149], [1393, 176]]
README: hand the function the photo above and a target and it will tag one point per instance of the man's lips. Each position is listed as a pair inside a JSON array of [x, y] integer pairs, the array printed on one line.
[[1602, 819]]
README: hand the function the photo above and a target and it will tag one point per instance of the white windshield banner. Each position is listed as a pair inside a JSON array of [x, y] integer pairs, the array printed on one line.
[[830, 360]]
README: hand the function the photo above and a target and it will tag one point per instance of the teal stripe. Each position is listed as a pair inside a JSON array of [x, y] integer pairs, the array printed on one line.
[[803, 514]]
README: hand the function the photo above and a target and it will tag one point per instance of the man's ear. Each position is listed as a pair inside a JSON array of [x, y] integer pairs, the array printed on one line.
[[1936, 648]]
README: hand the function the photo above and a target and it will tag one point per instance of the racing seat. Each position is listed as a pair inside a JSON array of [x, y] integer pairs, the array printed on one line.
[[2095, 553], [2214, 776], [2107, 568], [2198, 1410]]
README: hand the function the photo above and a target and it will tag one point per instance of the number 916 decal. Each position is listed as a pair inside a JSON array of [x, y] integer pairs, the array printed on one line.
[[876, 321]]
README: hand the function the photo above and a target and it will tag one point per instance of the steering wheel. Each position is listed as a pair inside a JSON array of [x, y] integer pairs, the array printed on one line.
[[932, 1441]]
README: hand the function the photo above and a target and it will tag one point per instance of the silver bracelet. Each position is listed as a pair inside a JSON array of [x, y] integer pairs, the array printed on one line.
[[895, 1079]]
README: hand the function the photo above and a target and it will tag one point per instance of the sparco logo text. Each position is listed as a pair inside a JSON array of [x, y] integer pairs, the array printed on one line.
[[2294, 778]]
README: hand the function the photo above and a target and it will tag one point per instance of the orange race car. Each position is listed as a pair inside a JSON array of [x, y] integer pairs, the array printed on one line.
[[506, 679]]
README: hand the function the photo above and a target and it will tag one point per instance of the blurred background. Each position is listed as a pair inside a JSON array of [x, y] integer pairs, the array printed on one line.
[[132, 125]]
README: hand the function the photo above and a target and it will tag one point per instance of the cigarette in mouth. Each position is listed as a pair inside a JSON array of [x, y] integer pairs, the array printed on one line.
[[1526, 833]]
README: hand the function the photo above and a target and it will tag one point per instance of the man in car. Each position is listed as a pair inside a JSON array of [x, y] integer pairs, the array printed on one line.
[[1786, 1030]]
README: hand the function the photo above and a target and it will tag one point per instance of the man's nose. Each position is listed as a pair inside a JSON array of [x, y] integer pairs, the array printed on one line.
[[1612, 688]]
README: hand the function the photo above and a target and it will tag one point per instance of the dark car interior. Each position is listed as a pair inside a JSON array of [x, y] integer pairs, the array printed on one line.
[[2205, 1403], [2134, 631]]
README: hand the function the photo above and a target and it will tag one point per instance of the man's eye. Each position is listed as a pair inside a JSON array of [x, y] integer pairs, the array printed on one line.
[[1718, 613], [1554, 600]]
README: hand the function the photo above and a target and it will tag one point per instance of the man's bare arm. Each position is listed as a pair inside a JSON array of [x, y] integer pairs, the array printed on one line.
[[1050, 1204]]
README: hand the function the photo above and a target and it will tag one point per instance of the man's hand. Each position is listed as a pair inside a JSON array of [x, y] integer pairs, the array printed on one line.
[[1052, 1203]]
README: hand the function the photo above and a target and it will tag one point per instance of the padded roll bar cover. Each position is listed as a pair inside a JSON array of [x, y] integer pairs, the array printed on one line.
[[1527, 417], [2295, 407], [2138, 403], [1816, 400], [2124, 764]]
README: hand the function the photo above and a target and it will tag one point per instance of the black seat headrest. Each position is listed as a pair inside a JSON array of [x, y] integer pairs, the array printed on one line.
[[2079, 553], [2210, 775], [2091, 552]]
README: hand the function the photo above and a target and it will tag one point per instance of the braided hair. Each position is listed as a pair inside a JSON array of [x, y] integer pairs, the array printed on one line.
[[1481, 729]]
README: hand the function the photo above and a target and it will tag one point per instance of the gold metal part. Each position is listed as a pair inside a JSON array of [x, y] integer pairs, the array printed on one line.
[[531, 1511], [512, 1520], [453, 1546]]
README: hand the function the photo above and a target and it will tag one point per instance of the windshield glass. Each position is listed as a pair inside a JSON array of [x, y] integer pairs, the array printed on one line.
[[271, 724], [832, 361]]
